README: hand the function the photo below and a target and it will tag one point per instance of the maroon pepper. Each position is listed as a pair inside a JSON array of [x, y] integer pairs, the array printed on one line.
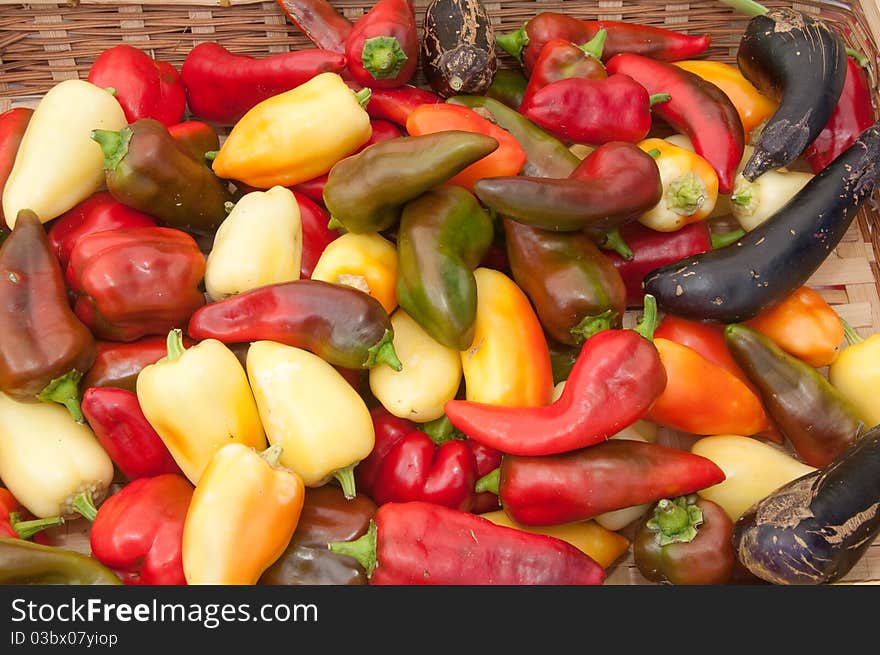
[[319, 20], [13, 123], [382, 49], [396, 104], [560, 59], [197, 137], [487, 460], [117, 364]]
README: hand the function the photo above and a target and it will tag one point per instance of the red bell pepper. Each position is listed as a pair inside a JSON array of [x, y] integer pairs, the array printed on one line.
[[560, 59], [118, 364], [139, 530], [145, 87], [13, 123], [696, 108], [97, 213], [12, 523], [397, 104], [487, 460], [315, 233], [382, 49], [221, 86], [135, 282], [116, 418], [319, 20], [389, 430], [617, 376], [426, 544], [197, 137]]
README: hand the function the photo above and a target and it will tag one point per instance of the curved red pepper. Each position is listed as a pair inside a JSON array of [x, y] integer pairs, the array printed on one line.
[[696, 108], [382, 49], [118, 364], [145, 87], [561, 59], [389, 430], [315, 233], [139, 530], [13, 123], [97, 213], [397, 104], [116, 418]]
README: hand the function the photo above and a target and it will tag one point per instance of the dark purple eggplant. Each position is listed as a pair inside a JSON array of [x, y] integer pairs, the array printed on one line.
[[458, 47], [814, 529], [734, 283]]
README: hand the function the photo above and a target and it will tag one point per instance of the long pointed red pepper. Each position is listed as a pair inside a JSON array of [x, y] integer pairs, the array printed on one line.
[[319, 20], [382, 49]]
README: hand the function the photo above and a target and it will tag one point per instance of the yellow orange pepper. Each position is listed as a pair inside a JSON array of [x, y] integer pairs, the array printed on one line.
[[856, 373]]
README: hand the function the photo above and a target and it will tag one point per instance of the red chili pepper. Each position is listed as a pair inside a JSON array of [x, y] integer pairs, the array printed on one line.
[[116, 418], [561, 59], [319, 20], [145, 87], [13, 123], [197, 137], [426, 544], [852, 115], [118, 364], [382, 49], [97, 213], [315, 233], [13, 523], [139, 530], [617, 376], [696, 108], [389, 430], [397, 104]]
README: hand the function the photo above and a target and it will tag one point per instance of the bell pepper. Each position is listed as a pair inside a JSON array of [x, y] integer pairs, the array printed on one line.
[[382, 49], [13, 124], [52, 465], [296, 135], [818, 420], [507, 159], [99, 212], [442, 237], [396, 104], [316, 236], [309, 410], [752, 203], [145, 87], [508, 362], [134, 282], [117, 363], [365, 261], [319, 20], [685, 541], [57, 166], [487, 460], [327, 515], [138, 531], [24, 562], [855, 373], [431, 373], [209, 381], [804, 325], [388, 429], [12, 524], [197, 137], [45, 348], [617, 377], [124, 432], [575, 289], [367, 191], [508, 87], [696, 108], [341, 324], [259, 243], [222, 86], [560, 59], [613, 185], [242, 515], [690, 187], [422, 543]]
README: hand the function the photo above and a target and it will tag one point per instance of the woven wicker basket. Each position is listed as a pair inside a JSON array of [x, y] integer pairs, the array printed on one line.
[[42, 43]]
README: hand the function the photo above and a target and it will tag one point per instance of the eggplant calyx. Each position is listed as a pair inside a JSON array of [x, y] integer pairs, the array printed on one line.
[[675, 521]]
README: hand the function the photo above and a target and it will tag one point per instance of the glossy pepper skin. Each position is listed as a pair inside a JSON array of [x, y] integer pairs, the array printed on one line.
[[315, 234], [422, 543], [508, 87], [396, 104], [197, 137], [561, 59], [575, 288], [367, 261], [366, 192], [442, 237], [45, 349], [132, 443], [118, 363], [817, 419], [26, 563], [343, 325], [855, 373], [134, 282], [13, 123], [326, 516], [382, 49], [138, 531], [149, 170], [388, 430], [221, 86], [145, 87], [319, 20]]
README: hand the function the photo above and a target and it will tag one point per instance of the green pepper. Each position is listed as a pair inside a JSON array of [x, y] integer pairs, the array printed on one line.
[[147, 169], [508, 86], [25, 562], [818, 420], [443, 236], [366, 192]]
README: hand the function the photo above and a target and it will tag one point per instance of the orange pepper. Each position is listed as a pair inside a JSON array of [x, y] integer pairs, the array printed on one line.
[[507, 159], [803, 325]]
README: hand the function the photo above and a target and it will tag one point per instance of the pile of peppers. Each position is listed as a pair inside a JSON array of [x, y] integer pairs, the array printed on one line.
[[384, 336]]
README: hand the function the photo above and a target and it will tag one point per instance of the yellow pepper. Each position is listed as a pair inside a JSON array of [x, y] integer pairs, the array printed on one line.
[[259, 243], [856, 374], [752, 203], [753, 107], [312, 412], [51, 464], [690, 187], [242, 515], [198, 400], [430, 376], [367, 261], [58, 165], [296, 135]]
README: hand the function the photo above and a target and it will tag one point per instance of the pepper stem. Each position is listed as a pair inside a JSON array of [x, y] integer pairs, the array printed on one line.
[[65, 390], [335, 224], [747, 7], [383, 353], [675, 521], [382, 57], [860, 57], [852, 337], [84, 504], [27, 529], [441, 430], [654, 152], [722, 239], [513, 42], [686, 195], [658, 97], [363, 96], [363, 549], [114, 145], [594, 46], [614, 241], [590, 325], [345, 477], [649, 319], [489, 482], [111, 90], [272, 454], [211, 155]]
